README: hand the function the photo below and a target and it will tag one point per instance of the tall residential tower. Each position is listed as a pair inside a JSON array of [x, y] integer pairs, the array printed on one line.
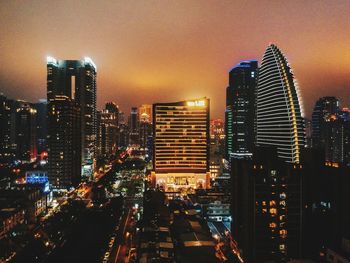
[[74, 82]]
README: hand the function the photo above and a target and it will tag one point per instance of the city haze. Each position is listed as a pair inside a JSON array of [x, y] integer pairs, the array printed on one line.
[[159, 51]]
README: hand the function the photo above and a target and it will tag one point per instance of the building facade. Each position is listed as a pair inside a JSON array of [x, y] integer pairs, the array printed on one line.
[[324, 108], [181, 144], [26, 132], [107, 133], [266, 207], [134, 132], [240, 109], [64, 122], [279, 121], [76, 79]]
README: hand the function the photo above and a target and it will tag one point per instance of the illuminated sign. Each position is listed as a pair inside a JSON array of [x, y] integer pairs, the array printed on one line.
[[38, 177], [196, 103]]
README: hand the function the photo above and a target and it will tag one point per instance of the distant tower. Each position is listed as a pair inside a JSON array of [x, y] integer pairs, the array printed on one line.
[[41, 108], [26, 131], [134, 127], [279, 120], [240, 110], [324, 108], [145, 124], [107, 132]]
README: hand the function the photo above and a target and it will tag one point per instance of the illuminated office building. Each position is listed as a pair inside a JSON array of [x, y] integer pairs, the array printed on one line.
[[279, 121], [181, 144], [76, 79], [240, 110]]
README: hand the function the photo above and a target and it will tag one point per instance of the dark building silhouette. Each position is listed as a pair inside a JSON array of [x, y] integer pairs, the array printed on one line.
[[64, 142], [240, 109], [134, 131], [331, 130], [7, 151], [71, 95], [325, 107], [76, 79], [123, 135], [326, 198], [146, 131], [333, 138], [266, 207], [41, 124], [107, 132], [26, 131]]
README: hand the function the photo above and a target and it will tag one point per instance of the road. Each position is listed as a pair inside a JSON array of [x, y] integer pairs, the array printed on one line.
[[120, 248]]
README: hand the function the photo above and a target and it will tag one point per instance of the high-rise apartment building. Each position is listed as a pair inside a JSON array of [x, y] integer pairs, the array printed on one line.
[[41, 122], [181, 144], [75, 81], [134, 127], [217, 137], [64, 142], [26, 132], [7, 152], [240, 110], [279, 121], [324, 108], [19, 132], [266, 207], [107, 132]]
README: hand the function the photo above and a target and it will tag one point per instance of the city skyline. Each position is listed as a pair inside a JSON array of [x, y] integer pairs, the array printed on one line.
[[174, 131], [185, 53]]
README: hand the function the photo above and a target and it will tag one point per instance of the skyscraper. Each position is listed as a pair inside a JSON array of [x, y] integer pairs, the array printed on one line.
[[181, 144], [217, 136], [134, 127], [25, 128], [279, 121], [324, 108], [41, 108], [76, 79], [64, 142], [6, 150], [71, 95], [107, 132], [240, 109], [145, 124]]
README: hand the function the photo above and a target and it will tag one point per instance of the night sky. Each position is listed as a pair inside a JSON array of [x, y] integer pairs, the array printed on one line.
[[159, 51]]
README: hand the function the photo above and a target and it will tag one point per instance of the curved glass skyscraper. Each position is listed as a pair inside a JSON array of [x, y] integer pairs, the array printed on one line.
[[279, 120]]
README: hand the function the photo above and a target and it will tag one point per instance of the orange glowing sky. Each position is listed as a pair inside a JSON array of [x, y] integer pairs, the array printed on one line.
[[158, 51]]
